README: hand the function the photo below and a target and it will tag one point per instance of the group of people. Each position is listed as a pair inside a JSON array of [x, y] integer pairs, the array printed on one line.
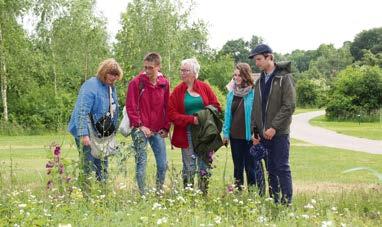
[[257, 113]]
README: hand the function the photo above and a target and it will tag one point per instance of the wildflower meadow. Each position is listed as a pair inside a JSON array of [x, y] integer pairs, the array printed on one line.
[[41, 186]]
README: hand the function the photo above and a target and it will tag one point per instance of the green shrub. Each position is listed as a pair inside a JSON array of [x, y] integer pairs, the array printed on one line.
[[311, 92], [40, 110], [307, 93], [220, 95], [11, 128], [356, 93], [217, 70]]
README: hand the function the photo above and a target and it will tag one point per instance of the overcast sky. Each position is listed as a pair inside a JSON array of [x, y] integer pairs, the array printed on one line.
[[285, 25]]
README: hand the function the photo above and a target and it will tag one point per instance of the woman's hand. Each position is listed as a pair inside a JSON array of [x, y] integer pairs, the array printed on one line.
[[85, 140], [256, 139], [196, 121], [225, 142]]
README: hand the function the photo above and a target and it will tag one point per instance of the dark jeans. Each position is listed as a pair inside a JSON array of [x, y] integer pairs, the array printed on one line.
[[243, 160], [280, 178], [89, 163]]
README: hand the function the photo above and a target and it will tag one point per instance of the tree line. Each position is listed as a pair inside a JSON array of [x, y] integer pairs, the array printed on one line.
[[42, 69]]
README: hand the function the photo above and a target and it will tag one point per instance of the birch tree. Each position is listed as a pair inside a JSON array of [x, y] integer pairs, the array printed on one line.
[[10, 10], [164, 26]]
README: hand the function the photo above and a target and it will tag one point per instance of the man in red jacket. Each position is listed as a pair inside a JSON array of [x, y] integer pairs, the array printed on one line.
[[147, 108]]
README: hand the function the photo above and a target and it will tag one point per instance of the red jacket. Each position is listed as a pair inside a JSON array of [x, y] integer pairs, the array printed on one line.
[[176, 110], [152, 109]]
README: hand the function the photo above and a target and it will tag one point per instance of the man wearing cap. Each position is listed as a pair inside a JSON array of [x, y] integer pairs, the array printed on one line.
[[274, 104]]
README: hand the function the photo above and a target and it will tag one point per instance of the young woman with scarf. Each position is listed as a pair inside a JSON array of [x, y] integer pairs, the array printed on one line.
[[237, 128]]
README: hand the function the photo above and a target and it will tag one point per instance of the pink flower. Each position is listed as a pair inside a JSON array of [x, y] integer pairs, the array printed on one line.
[[230, 188]]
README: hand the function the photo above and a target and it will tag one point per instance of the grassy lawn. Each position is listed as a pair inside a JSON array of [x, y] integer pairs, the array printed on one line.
[[363, 130], [352, 199]]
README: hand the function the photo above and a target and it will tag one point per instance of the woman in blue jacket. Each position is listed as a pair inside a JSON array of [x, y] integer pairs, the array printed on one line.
[[237, 128], [97, 98]]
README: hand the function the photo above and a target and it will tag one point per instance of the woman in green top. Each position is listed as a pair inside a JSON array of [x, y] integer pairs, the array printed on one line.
[[190, 96]]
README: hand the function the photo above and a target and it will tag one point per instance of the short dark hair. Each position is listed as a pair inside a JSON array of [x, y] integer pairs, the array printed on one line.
[[268, 55], [153, 57]]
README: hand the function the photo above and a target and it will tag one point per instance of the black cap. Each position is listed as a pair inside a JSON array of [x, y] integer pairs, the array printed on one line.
[[260, 49]]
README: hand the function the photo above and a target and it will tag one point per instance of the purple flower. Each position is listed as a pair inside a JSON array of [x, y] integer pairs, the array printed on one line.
[[68, 179], [203, 172], [58, 167], [61, 169], [210, 156], [49, 165], [57, 151], [49, 185]]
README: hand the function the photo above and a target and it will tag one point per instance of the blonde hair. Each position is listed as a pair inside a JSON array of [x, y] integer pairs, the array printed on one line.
[[109, 66]]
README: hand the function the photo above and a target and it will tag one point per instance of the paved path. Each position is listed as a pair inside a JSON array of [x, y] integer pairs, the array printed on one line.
[[302, 130]]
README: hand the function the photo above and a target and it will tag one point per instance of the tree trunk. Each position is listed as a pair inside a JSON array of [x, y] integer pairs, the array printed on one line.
[[3, 75]]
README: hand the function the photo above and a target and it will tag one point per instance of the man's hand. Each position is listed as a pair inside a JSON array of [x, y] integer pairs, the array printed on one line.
[[85, 140], [163, 133], [146, 131], [256, 139], [269, 133]]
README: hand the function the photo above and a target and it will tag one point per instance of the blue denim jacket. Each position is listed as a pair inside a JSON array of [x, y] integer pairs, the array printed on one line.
[[93, 98], [248, 103]]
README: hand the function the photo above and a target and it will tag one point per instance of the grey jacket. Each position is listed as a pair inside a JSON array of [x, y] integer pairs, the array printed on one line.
[[280, 105]]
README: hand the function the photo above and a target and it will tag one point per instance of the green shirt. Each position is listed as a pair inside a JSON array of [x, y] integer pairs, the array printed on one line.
[[192, 104]]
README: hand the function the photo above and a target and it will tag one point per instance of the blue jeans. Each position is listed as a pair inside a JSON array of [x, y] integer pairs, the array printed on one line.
[[190, 159], [280, 177], [158, 146], [89, 163], [242, 159]]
